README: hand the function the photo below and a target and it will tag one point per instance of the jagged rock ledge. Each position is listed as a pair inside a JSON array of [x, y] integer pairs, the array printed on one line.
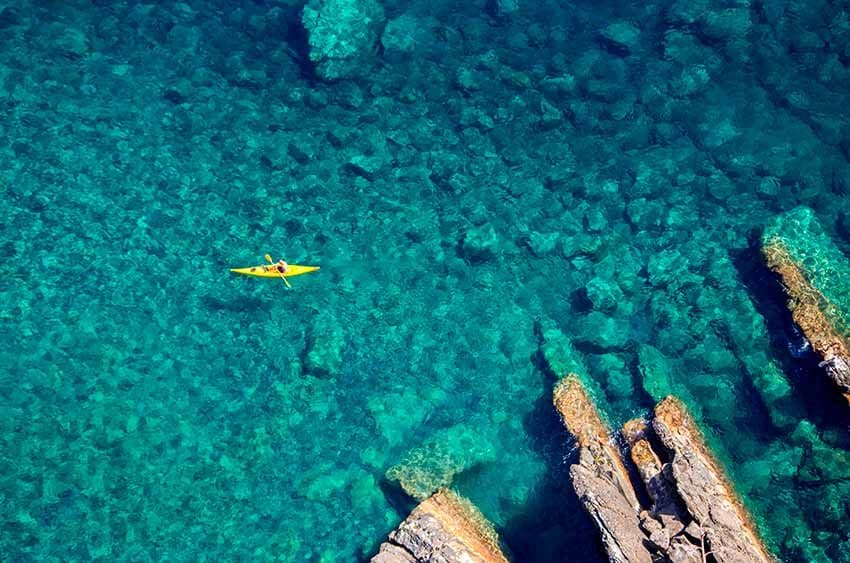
[[808, 310], [444, 528], [725, 526], [600, 479], [695, 512], [676, 505]]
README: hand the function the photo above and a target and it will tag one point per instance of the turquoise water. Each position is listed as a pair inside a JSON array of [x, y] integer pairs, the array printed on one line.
[[495, 184], [826, 267]]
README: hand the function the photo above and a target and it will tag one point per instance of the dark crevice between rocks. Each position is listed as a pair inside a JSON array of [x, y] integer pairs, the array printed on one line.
[[823, 404], [632, 472]]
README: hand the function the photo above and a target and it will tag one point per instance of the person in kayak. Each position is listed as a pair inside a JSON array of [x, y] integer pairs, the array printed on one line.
[[281, 266]]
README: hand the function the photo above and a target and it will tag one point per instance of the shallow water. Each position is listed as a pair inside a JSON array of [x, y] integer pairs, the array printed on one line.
[[509, 175]]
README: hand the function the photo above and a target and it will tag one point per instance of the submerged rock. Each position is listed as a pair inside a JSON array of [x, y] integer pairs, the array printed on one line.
[[478, 244], [325, 347], [502, 8], [342, 35], [557, 351], [621, 38], [435, 463], [445, 528], [655, 371], [814, 274], [408, 34], [606, 331]]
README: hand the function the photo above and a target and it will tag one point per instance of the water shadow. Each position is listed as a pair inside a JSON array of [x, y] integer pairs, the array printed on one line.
[[552, 526]]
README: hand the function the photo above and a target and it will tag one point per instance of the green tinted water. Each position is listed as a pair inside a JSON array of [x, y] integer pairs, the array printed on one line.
[[154, 406]]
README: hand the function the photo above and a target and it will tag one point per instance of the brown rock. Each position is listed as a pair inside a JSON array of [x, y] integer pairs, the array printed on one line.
[[809, 310], [681, 551], [600, 478], [445, 528], [667, 506], [721, 521], [695, 516], [392, 553]]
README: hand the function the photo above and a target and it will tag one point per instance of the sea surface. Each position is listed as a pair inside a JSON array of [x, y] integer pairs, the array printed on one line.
[[490, 173]]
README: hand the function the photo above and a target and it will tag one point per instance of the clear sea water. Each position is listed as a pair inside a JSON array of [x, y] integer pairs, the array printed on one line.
[[496, 177]]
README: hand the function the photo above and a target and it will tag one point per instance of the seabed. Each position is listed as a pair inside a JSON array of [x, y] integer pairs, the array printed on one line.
[[498, 192]]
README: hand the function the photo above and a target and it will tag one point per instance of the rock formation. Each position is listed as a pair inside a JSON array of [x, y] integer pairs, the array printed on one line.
[[809, 311], [445, 528], [667, 509], [694, 514], [600, 478], [724, 526]]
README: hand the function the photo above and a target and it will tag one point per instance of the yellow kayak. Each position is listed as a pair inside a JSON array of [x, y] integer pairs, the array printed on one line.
[[268, 271]]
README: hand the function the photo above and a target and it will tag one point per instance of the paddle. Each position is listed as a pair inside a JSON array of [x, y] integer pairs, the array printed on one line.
[[269, 258]]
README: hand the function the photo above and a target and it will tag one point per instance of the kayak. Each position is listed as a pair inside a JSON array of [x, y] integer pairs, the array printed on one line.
[[270, 272]]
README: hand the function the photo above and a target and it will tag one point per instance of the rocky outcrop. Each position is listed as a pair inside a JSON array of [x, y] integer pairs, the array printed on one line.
[[694, 514], [809, 310], [600, 479], [445, 528], [667, 518], [723, 525]]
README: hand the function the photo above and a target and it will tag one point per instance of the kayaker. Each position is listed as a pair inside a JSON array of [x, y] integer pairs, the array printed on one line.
[[281, 266]]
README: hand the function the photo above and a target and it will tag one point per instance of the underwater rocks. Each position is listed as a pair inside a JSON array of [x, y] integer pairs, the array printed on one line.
[[502, 8], [342, 35], [325, 345], [621, 38], [434, 464], [556, 350], [478, 244], [445, 528], [813, 273], [408, 34], [694, 511]]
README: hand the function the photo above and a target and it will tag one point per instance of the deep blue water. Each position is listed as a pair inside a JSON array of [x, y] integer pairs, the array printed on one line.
[[478, 173]]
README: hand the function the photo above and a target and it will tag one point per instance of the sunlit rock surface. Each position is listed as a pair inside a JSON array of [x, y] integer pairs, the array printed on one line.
[[444, 528], [599, 478], [693, 514], [725, 527]]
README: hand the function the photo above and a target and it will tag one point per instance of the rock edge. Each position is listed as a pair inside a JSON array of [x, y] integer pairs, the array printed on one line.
[[444, 528], [694, 511]]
